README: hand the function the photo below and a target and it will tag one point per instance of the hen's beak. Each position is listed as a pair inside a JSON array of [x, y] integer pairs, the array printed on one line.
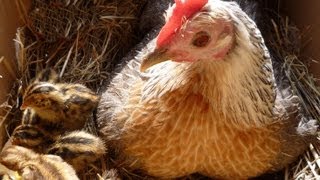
[[155, 57]]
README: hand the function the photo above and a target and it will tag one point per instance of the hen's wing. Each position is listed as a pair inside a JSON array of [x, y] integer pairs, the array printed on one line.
[[116, 95]]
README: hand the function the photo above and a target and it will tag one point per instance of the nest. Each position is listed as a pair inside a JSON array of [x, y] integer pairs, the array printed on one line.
[[286, 45], [84, 39]]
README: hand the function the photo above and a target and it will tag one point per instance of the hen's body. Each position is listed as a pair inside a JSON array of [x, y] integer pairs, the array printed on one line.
[[175, 135], [227, 119]]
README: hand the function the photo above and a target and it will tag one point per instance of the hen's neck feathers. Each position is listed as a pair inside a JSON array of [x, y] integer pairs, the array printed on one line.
[[241, 86]]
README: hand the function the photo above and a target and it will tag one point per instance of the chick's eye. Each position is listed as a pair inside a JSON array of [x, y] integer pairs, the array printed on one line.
[[38, 102], [201, 39]]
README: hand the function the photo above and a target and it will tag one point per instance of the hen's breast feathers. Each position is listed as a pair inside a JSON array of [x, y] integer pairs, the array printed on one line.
[[155, 113]]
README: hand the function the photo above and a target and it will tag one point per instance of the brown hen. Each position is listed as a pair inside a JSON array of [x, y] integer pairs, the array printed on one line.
[[208, 99]]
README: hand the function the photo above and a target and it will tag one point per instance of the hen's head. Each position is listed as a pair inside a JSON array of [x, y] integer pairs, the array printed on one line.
[[204, 30]]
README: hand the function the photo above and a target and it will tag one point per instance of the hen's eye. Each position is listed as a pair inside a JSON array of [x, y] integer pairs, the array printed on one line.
[[201, 39]]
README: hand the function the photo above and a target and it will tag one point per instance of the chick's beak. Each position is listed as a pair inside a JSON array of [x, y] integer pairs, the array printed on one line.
[[153, 58], [23, 106]]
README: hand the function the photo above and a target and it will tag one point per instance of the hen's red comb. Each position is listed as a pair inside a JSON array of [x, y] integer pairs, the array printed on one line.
[[183, 10]]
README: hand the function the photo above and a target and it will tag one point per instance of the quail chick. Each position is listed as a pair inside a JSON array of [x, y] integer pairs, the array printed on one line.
[[64, 105], [31, 118], [32, 137], [78, 148], [7, 174], [31, 165], [35, 133]]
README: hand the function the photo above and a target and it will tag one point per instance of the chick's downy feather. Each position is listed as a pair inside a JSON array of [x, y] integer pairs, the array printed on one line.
[[208, 99], [31, 165]]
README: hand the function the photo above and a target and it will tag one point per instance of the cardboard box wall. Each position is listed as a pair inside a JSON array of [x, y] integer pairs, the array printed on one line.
[[9, 22], [303, 14]]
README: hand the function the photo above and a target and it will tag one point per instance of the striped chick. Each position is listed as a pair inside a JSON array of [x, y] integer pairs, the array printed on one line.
[[78, 148], [64, 105], [31, 165]]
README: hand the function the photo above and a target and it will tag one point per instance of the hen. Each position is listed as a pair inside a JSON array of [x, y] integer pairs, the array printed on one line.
[[207, 99]]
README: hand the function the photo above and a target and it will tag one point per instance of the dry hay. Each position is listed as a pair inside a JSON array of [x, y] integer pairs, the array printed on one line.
[[82, 40], [286, 45]]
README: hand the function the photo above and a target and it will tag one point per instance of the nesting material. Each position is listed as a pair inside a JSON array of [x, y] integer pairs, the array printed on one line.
[[286, 45], [81, 39]]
